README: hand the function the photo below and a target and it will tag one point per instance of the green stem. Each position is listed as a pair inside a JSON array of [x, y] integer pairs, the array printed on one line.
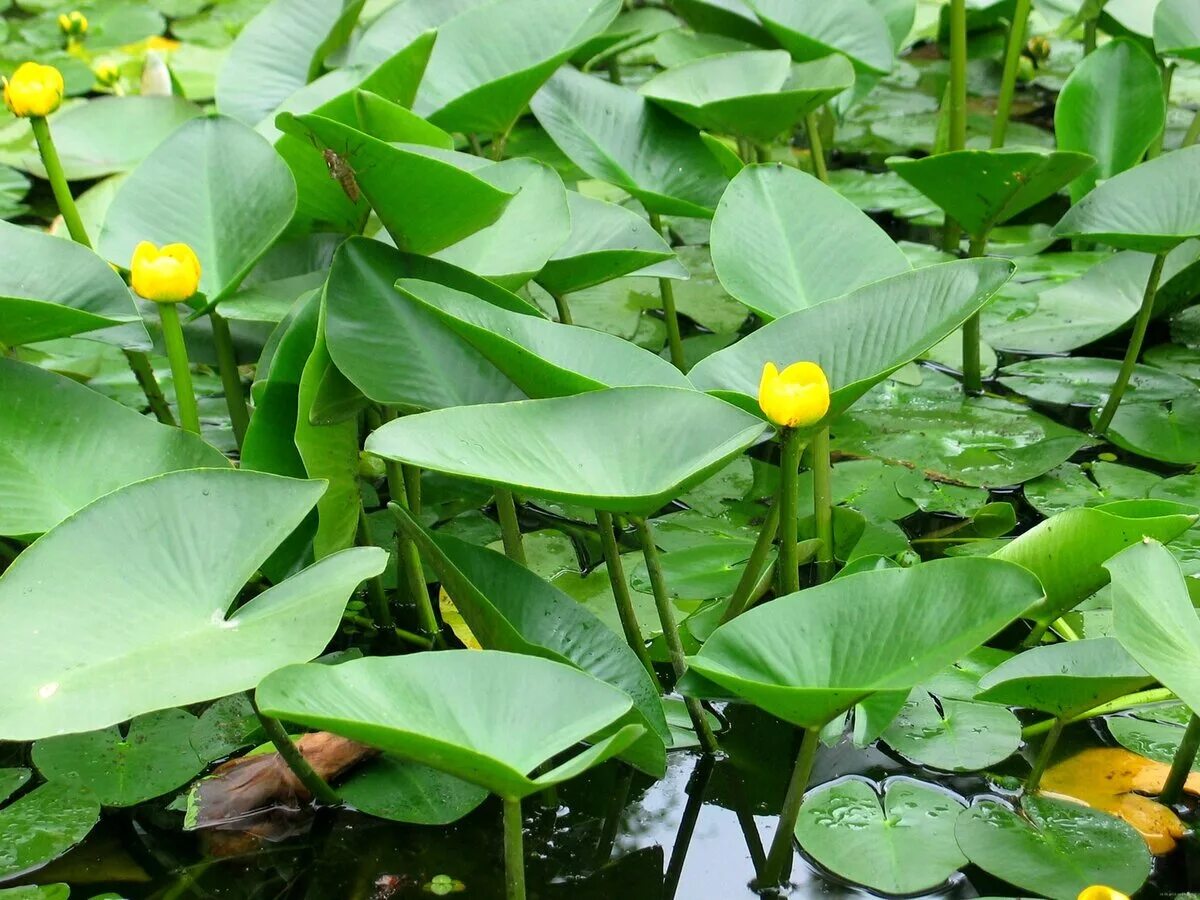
[[316, 785], [1012, 64], [958, 74], [1135, 345], [143, 372], [754, 566], [812, 126], [1090, 29], [381, 612], [620, 589], [666, 289], [1193, 133], [789, 513], [564, 311], [972, 333], [1181, 767], [58, 181], [1129, 701], [514, 851], [510, 526], [666, 618], [181, 373], [779, 859], [1156, 147], [412, 487], [822, 475], [1044, 755], [408, 558], [231, 379]]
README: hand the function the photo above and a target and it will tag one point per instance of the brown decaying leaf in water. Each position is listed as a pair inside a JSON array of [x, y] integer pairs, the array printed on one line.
[[1113, 780]]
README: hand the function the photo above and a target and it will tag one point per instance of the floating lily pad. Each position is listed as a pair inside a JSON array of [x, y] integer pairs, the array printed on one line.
[[1088, 382], [953, 735], [11, 781], [1168, 431], [1092, 484], [43, 825], [1154, 740]]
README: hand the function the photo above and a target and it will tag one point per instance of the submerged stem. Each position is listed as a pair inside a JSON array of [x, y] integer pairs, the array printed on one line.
[[1012, 63], [510, 526], [744, 591], [620, 589], [231, 380], [181, 373], [779, 859], [789, 521], [314, 783], [822, 475], [1044, 755], [1181, 766], [666, 290], [514, 851]]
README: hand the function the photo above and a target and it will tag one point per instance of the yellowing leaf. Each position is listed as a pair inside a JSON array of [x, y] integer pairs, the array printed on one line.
[[452, 617]]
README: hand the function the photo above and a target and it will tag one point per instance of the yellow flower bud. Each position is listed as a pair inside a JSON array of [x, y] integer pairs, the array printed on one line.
[[796, 397], [73, 24], [169, 275], [33, 90], [107, 74], [1101, 892]]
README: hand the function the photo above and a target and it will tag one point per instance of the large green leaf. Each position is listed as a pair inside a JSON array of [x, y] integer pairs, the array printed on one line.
[[508, 607], [615, 134], [455, 711], [470, 91], [279, 51], [394, 350], [1054, 848], [65, 445], [544, 359], [214, 185], [1067, 552], [43, 825], [730, 18], [51, 288], [769, 255], [1177, 29], [895, 839], [1167, 431], [953, 735], [1154, 617], [981, 189], [123, 608], [810, 29], [403, 23], [1065, 679], [1111, 107], [757, 94], [808, 657], [860, 338], [548, 448]]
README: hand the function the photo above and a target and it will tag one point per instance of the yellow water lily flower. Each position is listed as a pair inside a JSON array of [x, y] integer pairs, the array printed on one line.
[[73, 24], [169, 275], [33, 90], [796, 397], [107, 73], [1101, 892]]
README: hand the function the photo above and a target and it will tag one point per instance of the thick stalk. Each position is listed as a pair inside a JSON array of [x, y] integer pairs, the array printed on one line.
[[510, 526], [58, 181], [316, 785], [564, 310], [1181, 767], [666, 289], [789, 513], [381, 613], [408, 559], [1193, 133], [514, 851], [822, 475], [1044, 755], [666, 618], [181, 373], [957, 103], [754, 566], [620, 589], [1090, 29], [779, 859], [231, 379], [1129, 701], [1012, 63], [972, 333], [412, 487], [1135, 345], [1156, 147], [813, 127], [143, 372]]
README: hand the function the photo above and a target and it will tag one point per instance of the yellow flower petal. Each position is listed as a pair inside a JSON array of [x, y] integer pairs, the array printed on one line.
[[34, 90], [797, 397], [168, 275]]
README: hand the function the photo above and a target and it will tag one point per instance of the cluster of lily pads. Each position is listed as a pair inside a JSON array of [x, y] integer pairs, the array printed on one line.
[[440, 423]]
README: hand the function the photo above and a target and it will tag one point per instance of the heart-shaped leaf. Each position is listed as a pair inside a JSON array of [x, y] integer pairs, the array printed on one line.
[[548, 448], [810, 29], [454, 711], [1177, 30], [809, 657], [953, 735], [43, 825], [1068, 380], [768, 257], [95, 643], [1168, 431], [65, 445]]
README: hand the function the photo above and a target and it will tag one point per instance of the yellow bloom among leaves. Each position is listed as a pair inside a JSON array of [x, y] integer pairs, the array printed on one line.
[[33, 90], [169, 275], [73, 24], [796, 397], [107, 73], [1101, 892]]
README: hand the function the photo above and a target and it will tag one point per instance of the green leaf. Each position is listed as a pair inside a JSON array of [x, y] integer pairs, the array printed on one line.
[[394, 350], [860, 338], [1153, 740], [953, 735], [1169, 432], [548, 448], [11, 781], [730, 18], [401, 791], [1177, 29], [278, 52], [809, 657], [51, 288], [65, 445], [810, 29], [1067, 552], [123, 608], [417, 707], [41, 892], [1065, 679], [1055, 848], [757, 94], [1111, 107], [1092, 484], [897, 838], [154, 757], [544, 359], [615, 134], [1079, 380], [43, 825], [214, 185], [981, 189], [769, 257]]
